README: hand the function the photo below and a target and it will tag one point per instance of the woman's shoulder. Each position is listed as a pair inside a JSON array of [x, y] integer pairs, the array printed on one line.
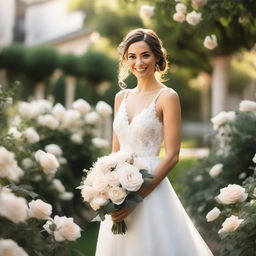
[[168, 94], [120, 95]]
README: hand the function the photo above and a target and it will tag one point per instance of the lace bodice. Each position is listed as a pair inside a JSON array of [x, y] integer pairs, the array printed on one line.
[[144, 134]]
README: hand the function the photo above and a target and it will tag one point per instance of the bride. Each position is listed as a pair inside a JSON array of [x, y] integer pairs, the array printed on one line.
[[145, 117]]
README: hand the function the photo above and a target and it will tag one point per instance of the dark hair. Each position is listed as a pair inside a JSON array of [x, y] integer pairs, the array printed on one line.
[[155, 44]]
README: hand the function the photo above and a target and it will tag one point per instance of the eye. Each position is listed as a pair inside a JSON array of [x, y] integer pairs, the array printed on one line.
[[131, 57], [146, 55]]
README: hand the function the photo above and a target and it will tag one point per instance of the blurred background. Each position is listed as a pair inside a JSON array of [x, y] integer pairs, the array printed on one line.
[[64, 50]]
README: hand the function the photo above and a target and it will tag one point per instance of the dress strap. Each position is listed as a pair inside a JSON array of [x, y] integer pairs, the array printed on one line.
[[158, 94], [126, 93]]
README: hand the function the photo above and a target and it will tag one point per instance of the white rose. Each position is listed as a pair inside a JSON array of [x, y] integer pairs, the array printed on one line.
[[222, 118], [39, 209], [254, 159], [247, 106], [12, 207], [65, 229], [100, 184], [14, 132], [31, 135], [27, 163], [81, 106], [216, 170], [42, 105], [112, 179], [8, 166], [9, 247], [213, 214], [57, 184], [198, 3], [193, 18], [97, 202], [38, 154], [210, 42], [179, 17], [129, 176], [140, 164], [62, 160], [121, 156], [58, 112], [71, 118], [66, 196], [181, 8], [88, 193], [26, 110], [76, 138], [100, 143], [48, 121], [49, 163], [103, 108], [146, 11], [231, 224], [232, 194], [242, 175], [92, 118], [117, 195], [53, 149]]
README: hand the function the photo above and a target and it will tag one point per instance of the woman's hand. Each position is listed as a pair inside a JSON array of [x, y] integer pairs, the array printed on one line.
[[121, 214]]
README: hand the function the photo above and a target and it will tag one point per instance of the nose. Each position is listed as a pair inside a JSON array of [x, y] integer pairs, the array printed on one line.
[[138, 62]]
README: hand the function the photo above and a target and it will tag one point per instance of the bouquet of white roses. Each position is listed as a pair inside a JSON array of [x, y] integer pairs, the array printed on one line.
[[112, 183]]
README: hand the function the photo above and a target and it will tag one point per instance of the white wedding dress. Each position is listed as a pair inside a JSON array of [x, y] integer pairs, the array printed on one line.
[[159, 225]]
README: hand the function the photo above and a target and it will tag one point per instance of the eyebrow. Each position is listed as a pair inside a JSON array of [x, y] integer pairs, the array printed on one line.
[[130, 53]]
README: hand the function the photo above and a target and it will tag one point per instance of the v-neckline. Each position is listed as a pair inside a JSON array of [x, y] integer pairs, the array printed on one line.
[[135, 116]]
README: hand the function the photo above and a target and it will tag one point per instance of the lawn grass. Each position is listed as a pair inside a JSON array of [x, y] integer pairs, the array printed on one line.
[[87, 243]]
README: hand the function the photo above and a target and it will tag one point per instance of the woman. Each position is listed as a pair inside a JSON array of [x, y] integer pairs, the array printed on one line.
[[145, 117]]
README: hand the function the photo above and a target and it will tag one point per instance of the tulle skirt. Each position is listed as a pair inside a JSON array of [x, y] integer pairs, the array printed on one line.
[[158, 226]]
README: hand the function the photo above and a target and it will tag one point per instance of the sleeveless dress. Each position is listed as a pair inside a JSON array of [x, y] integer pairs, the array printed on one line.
[[159, 225]]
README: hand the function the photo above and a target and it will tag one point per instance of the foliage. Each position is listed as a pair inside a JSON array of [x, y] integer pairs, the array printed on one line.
[[233, 146]]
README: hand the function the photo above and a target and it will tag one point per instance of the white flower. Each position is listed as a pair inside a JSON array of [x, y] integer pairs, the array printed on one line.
[[179, 17], [39, 209], [76, 138], [210, 42], [26, 110], [27, 163], [100, 184], [48, 161], [104, 164], [198, 178], [193, 18], [8, 166], [48, 121], [213, 214], [66, 196], [222, 118], [81, 106], [42, 105], [242, 175], [103, 108], [117, 195], [92, 118], [53, 149], [100, 143], [57, 184], [232, 194], [112, 179], [254, 159], [97, 202], [121, 156], [146, 11], [31, 135], [247, 106], [12, 207], [254, 192], [58, 112], [14, 132], [129, 176], [88, 193], [71, 118], [181, 8], [231, 224], [65, 229], [216, 170], [198, 3], [9, 247]]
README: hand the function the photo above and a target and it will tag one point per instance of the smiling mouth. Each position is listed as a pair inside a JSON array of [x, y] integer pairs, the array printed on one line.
[[140, 69]]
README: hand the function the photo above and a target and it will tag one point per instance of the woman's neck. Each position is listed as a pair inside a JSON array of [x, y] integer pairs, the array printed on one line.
[[147, 84]]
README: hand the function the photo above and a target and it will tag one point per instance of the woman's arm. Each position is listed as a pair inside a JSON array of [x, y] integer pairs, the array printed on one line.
[[170, 106], [118, 99]]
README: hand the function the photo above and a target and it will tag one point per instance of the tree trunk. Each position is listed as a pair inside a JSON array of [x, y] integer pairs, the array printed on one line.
[[220, 79], [70, 91], [40, 90]]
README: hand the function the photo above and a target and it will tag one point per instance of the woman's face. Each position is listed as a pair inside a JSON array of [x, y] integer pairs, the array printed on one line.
[[141, 60]]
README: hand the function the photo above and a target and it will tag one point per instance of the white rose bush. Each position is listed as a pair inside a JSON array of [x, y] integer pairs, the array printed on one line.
[[224, 197], [112, 183], [40, 167]]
